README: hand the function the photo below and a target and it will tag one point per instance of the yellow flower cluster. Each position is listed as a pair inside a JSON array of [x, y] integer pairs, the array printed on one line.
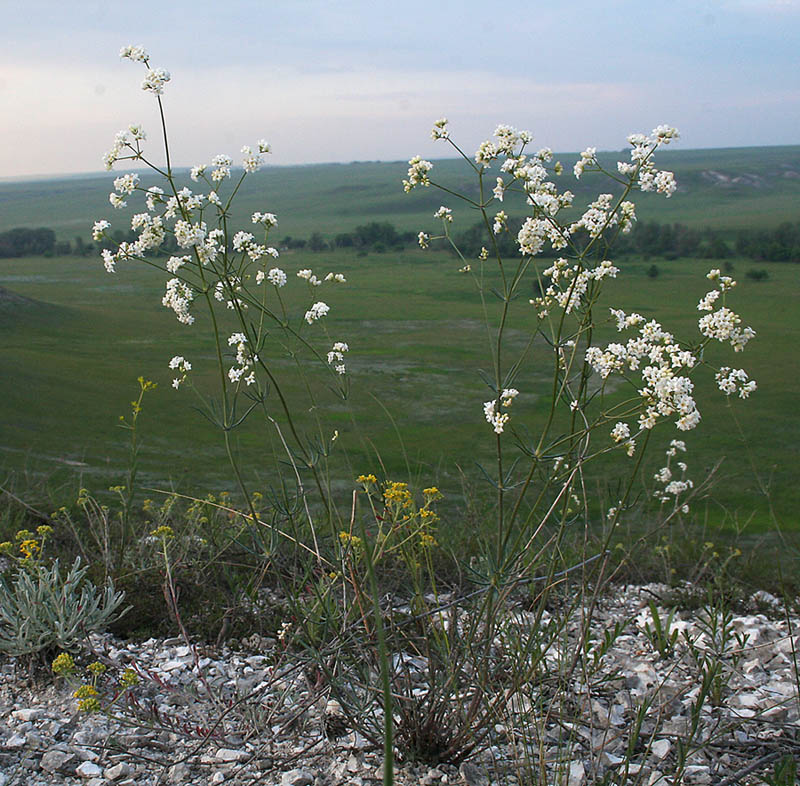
[[86, 692], [30, 548], [87, 698], [350, 541], [397, 494], [426, 540], [428, 516], [63, 664], [28, 543], [129, 678], [405, 519]]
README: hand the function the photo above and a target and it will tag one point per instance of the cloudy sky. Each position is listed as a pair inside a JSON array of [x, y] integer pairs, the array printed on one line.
[[343, 80]]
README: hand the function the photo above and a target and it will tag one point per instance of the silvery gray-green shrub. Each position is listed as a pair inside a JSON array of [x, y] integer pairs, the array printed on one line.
[[42, 610]]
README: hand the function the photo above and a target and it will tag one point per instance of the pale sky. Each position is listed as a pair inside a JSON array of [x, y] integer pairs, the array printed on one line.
[[344, 80]]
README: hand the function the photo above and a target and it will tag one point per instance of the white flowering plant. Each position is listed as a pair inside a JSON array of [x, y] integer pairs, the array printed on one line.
[[603, 398], [227, 276], [588, 416]]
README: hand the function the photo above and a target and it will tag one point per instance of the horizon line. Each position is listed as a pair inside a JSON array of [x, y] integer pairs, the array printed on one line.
[[55, 176]]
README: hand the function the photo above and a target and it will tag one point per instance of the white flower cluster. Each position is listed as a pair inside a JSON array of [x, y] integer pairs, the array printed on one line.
[[600, 216], [123, 185], [622, 433], [445, 213], [626, 320], [127, 138], [183, 366], [665, 392], [254, 159], [641, 165], [587, 159], [154, 197], [673, 487], [222, 167], [497, 419], [183, 204], [439, 130], [181, 215], [179, 297], [313, 281], [244, 242], [418, 169], [508, 142], [317, 311], [423, 238], [735, 380], [174, 264], [266, 219], [722, 324], [136, 53], [676, 445], [154, 80], [276, 277], [569, 284], [535, 231], [211, 247], [336, 357], [98, 230], [309, 276], [243, 358], [232, 284], [151, 231], [188, 234]]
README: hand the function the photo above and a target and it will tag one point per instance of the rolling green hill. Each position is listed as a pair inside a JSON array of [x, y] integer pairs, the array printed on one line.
[[727, 188]]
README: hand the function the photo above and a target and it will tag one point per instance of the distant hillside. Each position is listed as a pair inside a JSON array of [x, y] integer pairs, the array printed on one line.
[[721, 188]]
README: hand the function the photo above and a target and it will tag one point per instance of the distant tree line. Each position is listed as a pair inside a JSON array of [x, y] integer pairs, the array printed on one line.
[[777, 245], [23, 242], [376, 236], [648, 239], [668, 241]]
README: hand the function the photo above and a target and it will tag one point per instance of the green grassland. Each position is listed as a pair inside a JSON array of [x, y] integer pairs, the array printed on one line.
[[73, 352], [75, 345], [333, 198]]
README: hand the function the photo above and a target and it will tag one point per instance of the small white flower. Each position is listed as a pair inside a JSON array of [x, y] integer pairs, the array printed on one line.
[[276, 277], [587, 159], [135, 53], [418, 170], [317, 311], [439, 130], [174, 264], [99, 228], [267, 219], [621, 432], [155, 79], [109, 261]]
